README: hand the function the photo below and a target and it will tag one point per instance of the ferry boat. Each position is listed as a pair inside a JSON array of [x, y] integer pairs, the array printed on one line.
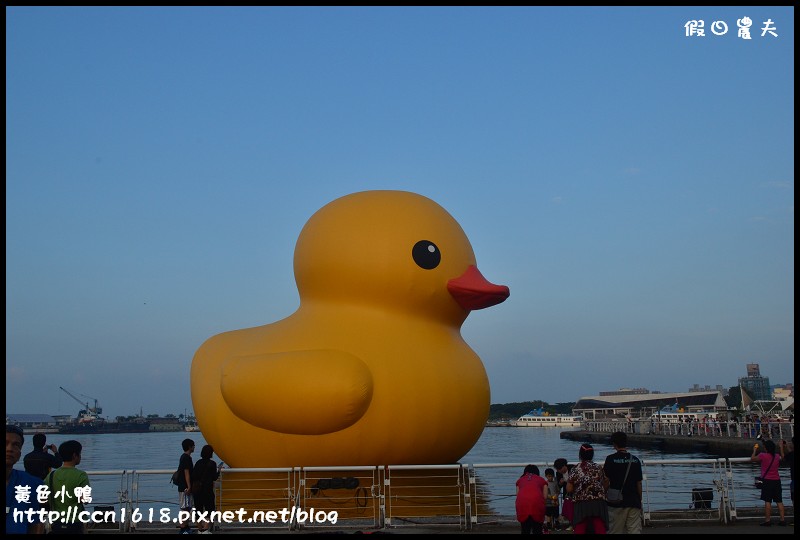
[[540, 418]]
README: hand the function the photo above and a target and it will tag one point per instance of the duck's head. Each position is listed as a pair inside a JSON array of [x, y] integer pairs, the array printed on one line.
[[391, 250]]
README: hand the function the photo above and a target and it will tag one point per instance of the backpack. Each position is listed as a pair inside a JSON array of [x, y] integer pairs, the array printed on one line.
[[174, 478]]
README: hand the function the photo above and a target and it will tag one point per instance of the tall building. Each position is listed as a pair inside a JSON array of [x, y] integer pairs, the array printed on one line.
[[756, 385]]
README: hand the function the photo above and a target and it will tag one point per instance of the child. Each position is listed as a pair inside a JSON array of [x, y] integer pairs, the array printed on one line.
[[551, 502]]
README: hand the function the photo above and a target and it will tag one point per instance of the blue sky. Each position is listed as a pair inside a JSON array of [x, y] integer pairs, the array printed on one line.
[[634, 187]]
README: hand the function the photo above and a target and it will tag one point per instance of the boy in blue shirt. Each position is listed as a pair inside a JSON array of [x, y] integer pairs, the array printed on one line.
[[21, 492]]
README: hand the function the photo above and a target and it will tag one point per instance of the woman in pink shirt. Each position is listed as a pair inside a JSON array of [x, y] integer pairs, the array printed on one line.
[[531, 493], [771, 488]]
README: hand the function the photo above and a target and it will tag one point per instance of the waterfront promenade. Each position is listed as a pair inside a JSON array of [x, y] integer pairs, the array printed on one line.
[[748, 526], [729, 447], [462, 499], [691, 529], [675, 438], [474, 497]]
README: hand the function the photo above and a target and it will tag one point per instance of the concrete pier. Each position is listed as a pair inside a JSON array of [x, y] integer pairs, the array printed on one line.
[[726, 447]]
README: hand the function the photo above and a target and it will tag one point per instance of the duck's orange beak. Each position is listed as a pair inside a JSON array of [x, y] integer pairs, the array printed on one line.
[[472, 291]]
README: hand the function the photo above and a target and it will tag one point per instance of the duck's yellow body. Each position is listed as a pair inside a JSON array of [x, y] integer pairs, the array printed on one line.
[[371, 369]]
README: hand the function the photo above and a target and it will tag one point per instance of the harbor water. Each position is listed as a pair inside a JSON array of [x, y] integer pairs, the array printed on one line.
[[144, 451]]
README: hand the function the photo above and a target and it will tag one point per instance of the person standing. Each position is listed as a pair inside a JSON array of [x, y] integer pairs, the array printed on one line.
[[624, 472], [68, 487], [788, 458], [562, 473], [21, 487], [587, 484], [205, 473], [771, 488], [185, 466], [531, 496], [551, 503], [39, 462]]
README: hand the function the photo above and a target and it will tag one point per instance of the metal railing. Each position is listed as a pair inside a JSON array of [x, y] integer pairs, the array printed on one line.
[[461, 496], [739, 430]]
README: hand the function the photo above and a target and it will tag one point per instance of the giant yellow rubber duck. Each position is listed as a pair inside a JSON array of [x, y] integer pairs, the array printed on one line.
[[371, 369]]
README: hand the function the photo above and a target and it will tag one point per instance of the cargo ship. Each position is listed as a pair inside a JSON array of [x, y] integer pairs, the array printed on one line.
[[99, 426], [89, 421]]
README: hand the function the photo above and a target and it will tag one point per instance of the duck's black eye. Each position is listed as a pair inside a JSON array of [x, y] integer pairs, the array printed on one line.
[[426, 254]]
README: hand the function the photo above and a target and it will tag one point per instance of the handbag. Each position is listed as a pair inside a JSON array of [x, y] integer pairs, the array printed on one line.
[[759, 483], [614, 496]]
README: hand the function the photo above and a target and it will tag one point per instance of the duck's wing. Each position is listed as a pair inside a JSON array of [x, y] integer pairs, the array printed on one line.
[[298, 392]]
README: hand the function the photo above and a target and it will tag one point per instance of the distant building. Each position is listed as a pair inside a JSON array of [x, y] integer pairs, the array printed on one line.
[[31, 420], [161, 423], [62, 419], [707, 388], [783, 390], [626, 392], [33, 423], [756, 385], [644, 405]]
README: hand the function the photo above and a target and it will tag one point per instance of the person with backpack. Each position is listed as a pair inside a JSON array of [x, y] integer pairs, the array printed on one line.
[[185, 466]]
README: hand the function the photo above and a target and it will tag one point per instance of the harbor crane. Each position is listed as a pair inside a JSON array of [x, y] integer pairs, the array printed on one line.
[[87, 414]]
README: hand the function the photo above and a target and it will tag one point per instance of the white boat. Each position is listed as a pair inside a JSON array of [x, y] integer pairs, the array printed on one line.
[[540, 418], [190, 423]]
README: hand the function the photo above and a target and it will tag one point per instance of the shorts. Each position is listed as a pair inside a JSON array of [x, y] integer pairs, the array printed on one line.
[[185, 501], [771, 491]]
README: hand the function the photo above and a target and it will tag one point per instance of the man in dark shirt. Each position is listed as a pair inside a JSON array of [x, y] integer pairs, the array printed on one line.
[[624, 471], [39, 462], [185, 466]]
